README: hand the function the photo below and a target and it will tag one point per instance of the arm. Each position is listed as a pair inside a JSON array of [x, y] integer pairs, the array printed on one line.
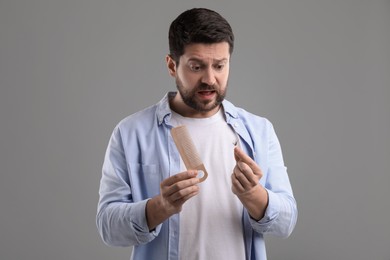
[[123, 222], [120, 220], [272, 207]]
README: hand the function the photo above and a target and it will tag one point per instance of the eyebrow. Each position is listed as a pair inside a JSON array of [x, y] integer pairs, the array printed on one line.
[[201, 61]]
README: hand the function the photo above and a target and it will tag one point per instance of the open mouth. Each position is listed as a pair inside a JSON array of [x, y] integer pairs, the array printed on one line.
[[206, 93]]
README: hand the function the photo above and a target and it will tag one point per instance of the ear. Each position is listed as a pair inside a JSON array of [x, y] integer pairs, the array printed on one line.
[[171, 65]]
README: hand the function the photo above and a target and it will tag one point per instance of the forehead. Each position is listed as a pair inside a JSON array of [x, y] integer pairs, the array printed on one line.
[[203, 51]]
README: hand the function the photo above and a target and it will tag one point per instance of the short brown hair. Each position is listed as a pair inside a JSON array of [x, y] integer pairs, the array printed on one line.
[[198, 25]]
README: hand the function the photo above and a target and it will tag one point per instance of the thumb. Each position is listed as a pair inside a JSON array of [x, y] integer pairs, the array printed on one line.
[[238, 153], [240, 156]]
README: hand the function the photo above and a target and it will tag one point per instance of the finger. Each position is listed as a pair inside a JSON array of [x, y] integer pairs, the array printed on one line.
[[239, 155], [241, 176], [184, 194], [245, 174], [237, 187], [183, 199], [245, 177], [179, 186], [179, 177], [179, 203]]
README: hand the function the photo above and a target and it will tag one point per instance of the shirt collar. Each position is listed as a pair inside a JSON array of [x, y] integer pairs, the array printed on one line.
[[164, 111], [163, 108]]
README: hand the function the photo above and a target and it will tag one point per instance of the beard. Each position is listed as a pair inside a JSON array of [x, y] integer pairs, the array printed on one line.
[[189, 97]]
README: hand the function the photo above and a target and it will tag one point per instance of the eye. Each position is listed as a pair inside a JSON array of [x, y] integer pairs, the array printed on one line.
[[195, 67], [219, 66]]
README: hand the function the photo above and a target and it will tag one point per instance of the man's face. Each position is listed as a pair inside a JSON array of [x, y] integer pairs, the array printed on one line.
[[201, 78]]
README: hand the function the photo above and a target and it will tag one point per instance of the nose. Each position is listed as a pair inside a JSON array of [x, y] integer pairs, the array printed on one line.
[[209, 77]]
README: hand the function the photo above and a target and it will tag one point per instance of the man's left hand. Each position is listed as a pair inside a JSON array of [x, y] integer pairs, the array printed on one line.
[[245, 184]]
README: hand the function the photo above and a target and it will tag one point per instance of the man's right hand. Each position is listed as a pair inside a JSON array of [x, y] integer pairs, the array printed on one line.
[[174, 192]]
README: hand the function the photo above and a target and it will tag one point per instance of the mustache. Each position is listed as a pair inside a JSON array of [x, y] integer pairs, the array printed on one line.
[[206, 87]]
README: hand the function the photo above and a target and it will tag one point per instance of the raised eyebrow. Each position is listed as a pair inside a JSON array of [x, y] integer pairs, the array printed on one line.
[[222, 60], [196, 60], [214, 61]]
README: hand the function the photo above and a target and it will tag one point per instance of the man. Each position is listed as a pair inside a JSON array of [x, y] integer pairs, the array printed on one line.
[[149, 200]]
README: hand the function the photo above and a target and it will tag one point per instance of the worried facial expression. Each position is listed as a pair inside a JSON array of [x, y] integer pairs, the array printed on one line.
[[201, 78]]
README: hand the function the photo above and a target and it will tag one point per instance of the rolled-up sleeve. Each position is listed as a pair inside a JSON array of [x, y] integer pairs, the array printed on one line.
[[281, 214], [120, 220]]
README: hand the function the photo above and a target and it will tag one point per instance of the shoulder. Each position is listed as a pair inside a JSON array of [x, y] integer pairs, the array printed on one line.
[[252, 118], [130, 128], [143, 118], [148, 117], [249, 119]]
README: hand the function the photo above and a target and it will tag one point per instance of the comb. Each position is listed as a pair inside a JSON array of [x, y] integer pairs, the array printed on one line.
[[187, 150]]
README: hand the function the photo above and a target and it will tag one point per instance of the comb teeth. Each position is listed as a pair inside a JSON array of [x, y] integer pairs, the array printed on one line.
[[186, 147], [187, 150]]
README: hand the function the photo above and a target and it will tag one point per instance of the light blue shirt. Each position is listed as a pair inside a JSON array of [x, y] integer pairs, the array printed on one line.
[[141, 153]]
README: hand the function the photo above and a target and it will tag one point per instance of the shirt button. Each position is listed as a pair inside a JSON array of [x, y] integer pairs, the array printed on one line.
[[235, 125]]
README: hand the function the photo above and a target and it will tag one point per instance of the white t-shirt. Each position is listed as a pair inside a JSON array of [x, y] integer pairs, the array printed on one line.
[[211, 222]]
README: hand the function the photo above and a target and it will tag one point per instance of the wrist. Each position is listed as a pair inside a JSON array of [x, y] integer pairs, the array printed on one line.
[[155, 212], [255, 201]]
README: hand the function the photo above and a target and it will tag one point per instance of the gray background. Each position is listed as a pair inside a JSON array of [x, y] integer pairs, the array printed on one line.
[[70, 70]]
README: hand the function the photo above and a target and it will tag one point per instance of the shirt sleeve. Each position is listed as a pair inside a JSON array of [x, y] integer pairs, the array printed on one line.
[[281, 213], [120, 220]]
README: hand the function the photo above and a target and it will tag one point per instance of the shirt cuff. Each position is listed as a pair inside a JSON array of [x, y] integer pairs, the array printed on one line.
[[271, 213], [139, 223]]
